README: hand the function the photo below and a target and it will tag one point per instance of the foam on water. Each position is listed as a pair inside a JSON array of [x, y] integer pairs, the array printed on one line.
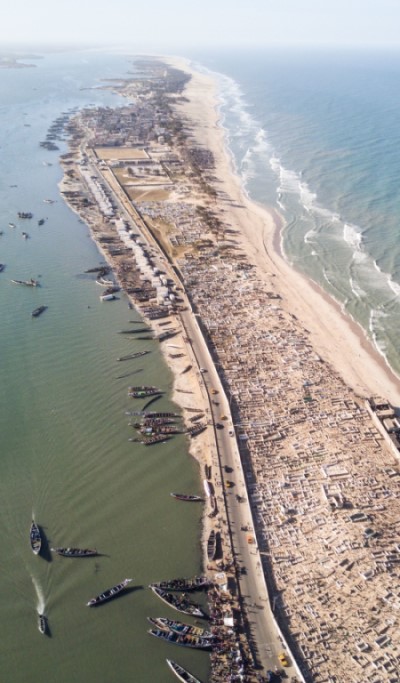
[[41, 601]]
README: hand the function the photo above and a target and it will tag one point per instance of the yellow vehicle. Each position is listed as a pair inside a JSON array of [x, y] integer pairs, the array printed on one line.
[[213, 391], [283, 659], [250, 539], [228, 484], [223, 417]]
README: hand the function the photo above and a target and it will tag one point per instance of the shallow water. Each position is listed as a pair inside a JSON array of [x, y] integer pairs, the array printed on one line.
[[65, 455]]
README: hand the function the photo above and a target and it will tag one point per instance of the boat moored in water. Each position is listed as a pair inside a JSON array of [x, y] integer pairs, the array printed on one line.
[[109, 594], [164, 624], [35, 538], [75, 552], [194, 642], [198, 583], [187, 497], [38, 311], [180, 603], [181, 673]]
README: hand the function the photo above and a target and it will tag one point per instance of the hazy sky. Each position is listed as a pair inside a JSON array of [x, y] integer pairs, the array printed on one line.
[[170, 23]]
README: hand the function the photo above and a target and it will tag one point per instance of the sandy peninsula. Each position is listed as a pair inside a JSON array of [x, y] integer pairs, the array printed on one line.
[[338, 339], [305, 482]]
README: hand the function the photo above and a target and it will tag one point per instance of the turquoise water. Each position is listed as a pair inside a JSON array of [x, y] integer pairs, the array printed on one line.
[[65, 456], [316, 135]]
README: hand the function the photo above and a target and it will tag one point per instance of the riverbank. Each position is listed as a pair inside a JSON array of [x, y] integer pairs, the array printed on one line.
[[360, 365]]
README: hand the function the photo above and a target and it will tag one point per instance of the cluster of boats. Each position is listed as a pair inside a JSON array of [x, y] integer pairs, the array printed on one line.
[[179, 602]]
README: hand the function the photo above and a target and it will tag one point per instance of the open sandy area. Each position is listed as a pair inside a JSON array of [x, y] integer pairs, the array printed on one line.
[[339, 340]]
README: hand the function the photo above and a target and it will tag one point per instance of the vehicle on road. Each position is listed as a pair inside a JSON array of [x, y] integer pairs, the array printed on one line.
[[213, 392], [202, 370], [224, 417], [283, 659], [231, 432], [229, 484], [219, 425]]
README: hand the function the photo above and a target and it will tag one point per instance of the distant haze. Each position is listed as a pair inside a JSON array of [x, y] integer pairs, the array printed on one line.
[[171, 24]]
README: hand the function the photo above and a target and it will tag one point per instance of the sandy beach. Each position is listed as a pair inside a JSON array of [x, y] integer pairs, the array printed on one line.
[[268, 358], [335, 336]]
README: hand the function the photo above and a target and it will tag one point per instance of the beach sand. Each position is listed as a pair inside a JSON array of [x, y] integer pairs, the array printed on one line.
[[337, 338]]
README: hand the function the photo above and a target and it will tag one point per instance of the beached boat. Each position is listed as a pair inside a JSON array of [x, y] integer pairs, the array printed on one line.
[[212, 545], [196, 429], [180, 603], [181, 673], [109, 594], [179, 627], [194, 642], [42, 623], [188, 498], [27, 283], [35, 538], [38, 311], [183, 585], [75, 552]]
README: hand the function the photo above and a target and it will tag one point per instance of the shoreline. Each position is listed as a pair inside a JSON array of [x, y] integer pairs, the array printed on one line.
[[285, 379], [366, 371]]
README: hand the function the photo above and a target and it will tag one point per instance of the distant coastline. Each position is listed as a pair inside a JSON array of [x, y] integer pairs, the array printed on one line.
[[13, 62]]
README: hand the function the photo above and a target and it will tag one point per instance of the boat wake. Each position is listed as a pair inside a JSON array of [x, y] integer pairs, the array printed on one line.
[[41, 602]]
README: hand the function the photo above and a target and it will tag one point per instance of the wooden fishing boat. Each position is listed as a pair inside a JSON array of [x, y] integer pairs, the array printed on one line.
[[188, 498], [181, 673], [142, 392], [27, 283], [109, 594], [35, 538], [180, 603], [155, 438], [194, 642], [212, 545], [38, 311], [75, 552], [179, 627], [198, 583], [138, 354], [2, 266], [42, 623]]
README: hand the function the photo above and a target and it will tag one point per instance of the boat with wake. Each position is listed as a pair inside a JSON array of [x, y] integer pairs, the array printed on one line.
[[194, 642], [181, 673], [35, 538], [198, 583], [165, 624], [27, 283], [75, 552], [109, 594], [188, 498], [180, 603], [42, 623]]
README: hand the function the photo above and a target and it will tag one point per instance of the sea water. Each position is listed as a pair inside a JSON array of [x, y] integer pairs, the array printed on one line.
[[316, 135], [65, 455]]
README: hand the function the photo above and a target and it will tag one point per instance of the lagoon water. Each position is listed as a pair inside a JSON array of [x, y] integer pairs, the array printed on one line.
[[313, 134], [65, 457]]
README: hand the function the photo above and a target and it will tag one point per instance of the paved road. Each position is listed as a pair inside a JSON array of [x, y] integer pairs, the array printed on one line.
[[262, 626], [252, 584]]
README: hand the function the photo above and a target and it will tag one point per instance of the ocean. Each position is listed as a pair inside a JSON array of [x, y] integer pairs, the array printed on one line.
[[65, 458], [315, 134]]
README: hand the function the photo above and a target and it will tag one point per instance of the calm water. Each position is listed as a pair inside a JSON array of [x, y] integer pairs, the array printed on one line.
[[65, 456], [316, 135]]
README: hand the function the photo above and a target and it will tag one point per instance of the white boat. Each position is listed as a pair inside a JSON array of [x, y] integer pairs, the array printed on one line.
[[108, 297], [207, 489]]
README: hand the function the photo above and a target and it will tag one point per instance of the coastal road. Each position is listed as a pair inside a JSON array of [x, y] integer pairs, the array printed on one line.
[[264, 634], [266, 642]]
